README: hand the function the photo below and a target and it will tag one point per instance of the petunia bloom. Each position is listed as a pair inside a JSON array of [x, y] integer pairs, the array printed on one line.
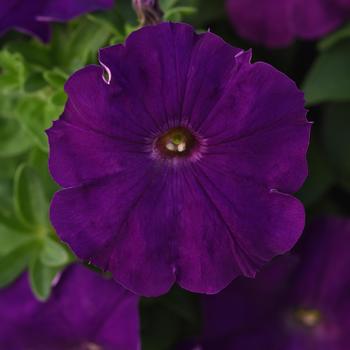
[[297, 303], [177, 157], [33, 17], [84, 312], [277, 23]]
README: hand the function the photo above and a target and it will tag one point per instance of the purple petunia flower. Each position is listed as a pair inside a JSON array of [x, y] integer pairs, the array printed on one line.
[[297, 303], [177, 162], [33, 16], [84, 312], [277, 23]]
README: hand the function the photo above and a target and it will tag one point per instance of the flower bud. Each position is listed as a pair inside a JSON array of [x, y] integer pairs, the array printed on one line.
[[148, 11]]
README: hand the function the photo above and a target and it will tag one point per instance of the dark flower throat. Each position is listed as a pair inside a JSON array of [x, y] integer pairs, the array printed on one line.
[[177, 142]]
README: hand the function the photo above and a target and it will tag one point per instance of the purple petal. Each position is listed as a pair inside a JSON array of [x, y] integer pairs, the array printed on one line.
[[81, 310], [316, 19], [64, 10], [260, 223], [127, 232], [20, 15], [263, 21], [169, 79], [262, 313], [277, 23], [255, 147], [29, 16]]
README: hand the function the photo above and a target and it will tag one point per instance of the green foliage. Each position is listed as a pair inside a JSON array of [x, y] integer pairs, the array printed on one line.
[[14, 138], [321, 177], [30, 200], [335, 38], [32, 78], [14, 263], [74, 46], [53, 254], [13, 72], [26, 236], [328, 79], [336, 138], [41, 278], [169, 318], [176, 10]]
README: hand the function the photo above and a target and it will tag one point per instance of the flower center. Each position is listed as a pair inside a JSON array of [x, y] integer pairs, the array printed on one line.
[[308, 317], [177, 142]]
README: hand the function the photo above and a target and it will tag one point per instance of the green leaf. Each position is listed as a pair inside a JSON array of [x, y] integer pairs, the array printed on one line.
[[14, 139], [7, 106], [335, 38], [14, 263], [12, 72], [10, 239], [329, 77], [335, 132], [41, 277], [321, 177], [209, 11], [168, 4], [31, 203], [38, 159], [75, 46], [56, 78], [172, 315], [55, 106], [31, 113], [8, 168], [110, 20], [176, 13], [5, 198], [53, 253], [36, 53]]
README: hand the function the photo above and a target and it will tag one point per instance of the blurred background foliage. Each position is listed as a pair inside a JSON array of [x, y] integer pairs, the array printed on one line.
[[32, 77]]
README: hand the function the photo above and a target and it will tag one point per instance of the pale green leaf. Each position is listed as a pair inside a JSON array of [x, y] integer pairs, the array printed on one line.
[[53, 253], [31, 203], [41, 277], [14, 139]]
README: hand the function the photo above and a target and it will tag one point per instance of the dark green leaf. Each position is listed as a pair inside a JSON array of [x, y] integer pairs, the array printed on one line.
[[74, 47], [173, 316], [35, 52], [335, 38], [208, 11], [320, 178], [14, 263], [336, 136], [8, 168], [56, 78], [329, 77]]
